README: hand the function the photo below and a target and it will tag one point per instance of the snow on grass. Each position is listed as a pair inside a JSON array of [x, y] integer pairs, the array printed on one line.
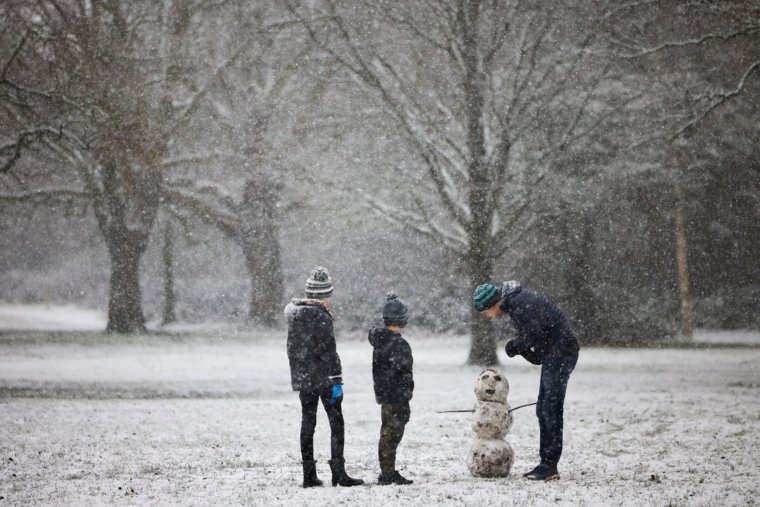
[[51, 317], [723, 337], [200, 420]]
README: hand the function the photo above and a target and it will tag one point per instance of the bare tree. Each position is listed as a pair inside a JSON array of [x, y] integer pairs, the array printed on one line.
[[92, 118], [244, 200], [252, 223], [489, 95], [707, 50], [92, 96], [696, 57]]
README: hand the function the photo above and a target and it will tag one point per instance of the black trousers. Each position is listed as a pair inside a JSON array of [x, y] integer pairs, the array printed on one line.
[[309, 403], [555, 374]]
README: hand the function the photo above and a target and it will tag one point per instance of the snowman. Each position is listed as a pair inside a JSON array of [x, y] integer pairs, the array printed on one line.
[[491, 455]]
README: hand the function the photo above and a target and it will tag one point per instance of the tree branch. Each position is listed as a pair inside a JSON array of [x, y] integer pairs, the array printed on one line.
[[406, 116], [12, 57], [717, 100], [690, 42], [44, 194], [227, 222], [419, 224], [24, 140]]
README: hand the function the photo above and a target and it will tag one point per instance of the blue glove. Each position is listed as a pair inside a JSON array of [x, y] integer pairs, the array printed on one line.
[[337, 393]]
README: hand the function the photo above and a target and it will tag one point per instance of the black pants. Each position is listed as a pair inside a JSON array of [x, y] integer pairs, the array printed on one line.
[[309, 403], [555, 374], [394, 419]]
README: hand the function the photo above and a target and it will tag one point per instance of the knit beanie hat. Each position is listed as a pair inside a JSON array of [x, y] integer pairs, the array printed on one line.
[[394, 311], [319, 284], [485, 297]]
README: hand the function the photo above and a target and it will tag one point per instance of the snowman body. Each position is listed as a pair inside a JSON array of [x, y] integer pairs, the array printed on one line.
[[491, 455]]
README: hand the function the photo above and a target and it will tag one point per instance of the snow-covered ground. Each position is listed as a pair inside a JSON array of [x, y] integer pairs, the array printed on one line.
[[190, 419], [723, 337], [51, 317], [73, 318]]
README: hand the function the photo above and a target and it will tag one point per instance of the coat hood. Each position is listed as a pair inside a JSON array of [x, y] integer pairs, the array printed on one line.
[[379, 336], [510, 288], [298, 305]]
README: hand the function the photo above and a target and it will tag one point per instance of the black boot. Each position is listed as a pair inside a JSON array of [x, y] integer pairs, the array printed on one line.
[[310, 478], [339, 475], [393, 478], [543, 473], [535, 469]]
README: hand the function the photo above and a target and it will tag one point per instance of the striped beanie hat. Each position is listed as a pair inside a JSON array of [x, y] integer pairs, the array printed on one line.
[[485, 297], [319, 284], [394, 311]]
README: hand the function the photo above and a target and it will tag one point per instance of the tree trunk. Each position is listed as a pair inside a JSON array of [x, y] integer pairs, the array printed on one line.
[[480, 254], [125, 211], [482, 338], [125, 313], [266, 286], [259, 239], [482, 342], [682, 257], [167, 257]]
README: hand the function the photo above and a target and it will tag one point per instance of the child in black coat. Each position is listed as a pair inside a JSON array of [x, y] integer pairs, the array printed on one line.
[[394, 384]]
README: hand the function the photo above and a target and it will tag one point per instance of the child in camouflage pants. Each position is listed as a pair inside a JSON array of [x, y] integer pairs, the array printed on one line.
[[394, 384]]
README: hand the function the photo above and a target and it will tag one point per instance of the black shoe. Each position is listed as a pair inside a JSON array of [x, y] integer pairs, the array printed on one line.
[[339, 475], [393, 478], [310, 478], [543, 473]]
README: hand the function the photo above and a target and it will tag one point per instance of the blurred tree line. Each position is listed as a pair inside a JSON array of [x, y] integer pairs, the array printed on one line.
[[197, 158]]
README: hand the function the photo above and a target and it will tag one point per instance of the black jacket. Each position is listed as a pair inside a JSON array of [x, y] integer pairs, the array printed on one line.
[[542, 330], [391, 366], [313, 357]]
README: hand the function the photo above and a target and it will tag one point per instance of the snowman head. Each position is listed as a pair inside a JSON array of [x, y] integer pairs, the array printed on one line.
[[492, 386]]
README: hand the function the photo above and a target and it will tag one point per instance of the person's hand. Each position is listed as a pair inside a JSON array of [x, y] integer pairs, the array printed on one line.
[[510, 349], [337, 393], [533, 357], [402, 412]]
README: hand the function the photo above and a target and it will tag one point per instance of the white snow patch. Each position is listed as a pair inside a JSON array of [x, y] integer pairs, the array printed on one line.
[[51, 318], [727, 337]]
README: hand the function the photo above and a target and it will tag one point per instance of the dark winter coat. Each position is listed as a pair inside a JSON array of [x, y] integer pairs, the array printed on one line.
[[542, 330], [391, 366], [313, 357]]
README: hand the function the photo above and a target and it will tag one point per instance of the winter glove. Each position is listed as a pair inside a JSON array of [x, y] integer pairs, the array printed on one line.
[[337, 393], [510, 348], [533, 357]]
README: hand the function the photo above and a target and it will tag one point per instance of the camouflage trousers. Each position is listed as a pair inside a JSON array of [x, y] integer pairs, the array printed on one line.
[[394, 419]]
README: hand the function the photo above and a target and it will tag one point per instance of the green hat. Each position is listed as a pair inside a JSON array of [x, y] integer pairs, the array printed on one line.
[[485, 297]]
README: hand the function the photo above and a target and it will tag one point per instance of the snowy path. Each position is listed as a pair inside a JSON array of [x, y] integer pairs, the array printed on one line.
[[195, 421]]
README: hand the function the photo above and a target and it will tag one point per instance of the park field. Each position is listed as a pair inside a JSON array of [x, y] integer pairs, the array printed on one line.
[[208, 418]]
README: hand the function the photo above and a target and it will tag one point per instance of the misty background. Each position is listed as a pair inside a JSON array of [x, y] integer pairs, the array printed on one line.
[[192, 161]]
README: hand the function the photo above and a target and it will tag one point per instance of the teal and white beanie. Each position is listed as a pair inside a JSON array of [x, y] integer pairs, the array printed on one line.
[[485, 297]]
